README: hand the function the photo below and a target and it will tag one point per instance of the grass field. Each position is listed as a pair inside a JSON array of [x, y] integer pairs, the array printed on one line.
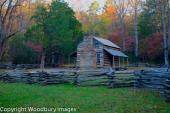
[[84, 99], [2, 70]]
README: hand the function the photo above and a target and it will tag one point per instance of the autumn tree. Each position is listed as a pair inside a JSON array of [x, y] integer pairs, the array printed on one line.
[[168, 25], [121, 11], [151, 48], [23, 53], [93, 10], [115, 38], [135, 6], [108, 16], [37, 35], [9, 21], [83, 17], [163, 8]]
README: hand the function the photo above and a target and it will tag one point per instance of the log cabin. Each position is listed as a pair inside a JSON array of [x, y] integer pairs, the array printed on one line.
[[96, 52]]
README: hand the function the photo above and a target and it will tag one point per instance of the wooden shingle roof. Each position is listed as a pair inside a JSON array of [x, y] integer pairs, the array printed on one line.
[[116, 53], [106, 42]]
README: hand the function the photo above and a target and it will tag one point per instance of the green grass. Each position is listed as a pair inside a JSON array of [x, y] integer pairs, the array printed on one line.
[[2, 70], [84, 99], [137, 68]]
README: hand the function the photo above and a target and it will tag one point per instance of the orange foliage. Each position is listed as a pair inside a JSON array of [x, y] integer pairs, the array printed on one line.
[[115, 38], [109, 13], [83, 17], [152, 46], [36, 47], [103, 22]]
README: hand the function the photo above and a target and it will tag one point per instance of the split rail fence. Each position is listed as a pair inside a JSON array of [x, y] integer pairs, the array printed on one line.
[[154, 80]]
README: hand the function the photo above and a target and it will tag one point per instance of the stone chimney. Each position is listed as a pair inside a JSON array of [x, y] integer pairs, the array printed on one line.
[[88, 39]]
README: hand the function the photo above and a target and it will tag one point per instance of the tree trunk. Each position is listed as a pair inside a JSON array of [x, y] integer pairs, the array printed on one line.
[[136, 34], [168, 26], [1, 38], [1, 52], [166, 60], [168, 30], [69, 61], [42, 61], [53, 60], [2, 46], [122, 33]]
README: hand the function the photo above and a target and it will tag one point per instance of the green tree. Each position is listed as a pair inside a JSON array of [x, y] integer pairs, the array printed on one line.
[[19, 53], [56, 29], [149, 20]]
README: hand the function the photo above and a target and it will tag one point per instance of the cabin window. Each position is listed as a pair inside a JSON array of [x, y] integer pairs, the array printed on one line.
[[98, 58], [96, 44]]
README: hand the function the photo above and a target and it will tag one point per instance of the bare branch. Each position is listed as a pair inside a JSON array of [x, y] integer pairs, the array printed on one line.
[[10, 9], [121, 11], [1, 6], [12, 34], [7, 11]]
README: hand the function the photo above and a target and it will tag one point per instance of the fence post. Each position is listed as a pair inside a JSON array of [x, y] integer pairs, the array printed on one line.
[[111, 81], [167, 90], [138, 83], [76, 79]]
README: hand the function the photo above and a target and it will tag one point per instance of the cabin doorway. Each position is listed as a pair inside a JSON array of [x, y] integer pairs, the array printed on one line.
[[108, 59]]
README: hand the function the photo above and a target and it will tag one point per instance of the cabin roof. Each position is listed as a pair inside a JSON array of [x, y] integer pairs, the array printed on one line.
[[116, 53], [106, 42]]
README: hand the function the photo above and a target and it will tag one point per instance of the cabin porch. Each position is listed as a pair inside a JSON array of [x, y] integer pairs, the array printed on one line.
[[115, 59]]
